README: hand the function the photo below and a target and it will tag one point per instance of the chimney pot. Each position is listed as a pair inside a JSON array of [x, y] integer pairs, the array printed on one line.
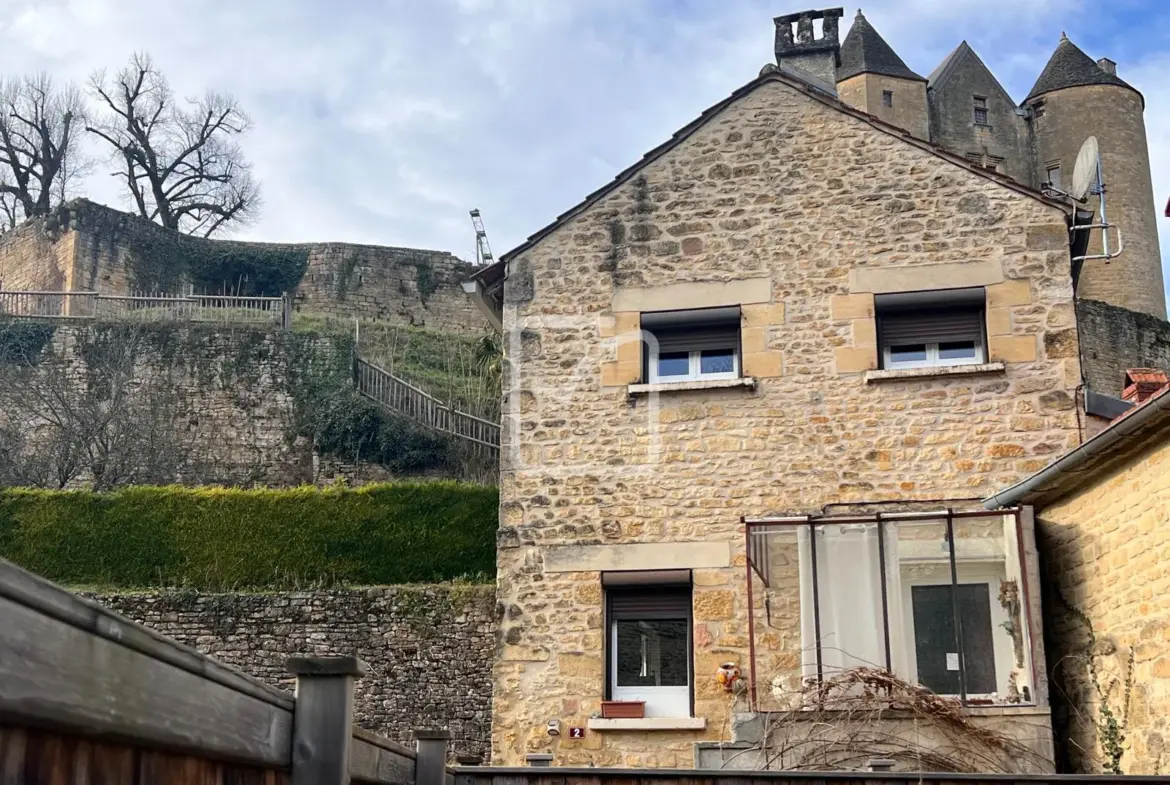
[[1108, 66]]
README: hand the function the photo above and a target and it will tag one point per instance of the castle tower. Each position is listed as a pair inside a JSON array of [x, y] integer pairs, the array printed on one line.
[[1075, 98], [874, 79]]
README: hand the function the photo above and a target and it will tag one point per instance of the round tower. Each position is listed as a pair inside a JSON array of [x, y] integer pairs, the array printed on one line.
[[1076, 98]]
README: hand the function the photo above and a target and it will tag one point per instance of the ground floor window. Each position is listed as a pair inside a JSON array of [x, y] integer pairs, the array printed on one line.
[[649, 641], [936, 598]]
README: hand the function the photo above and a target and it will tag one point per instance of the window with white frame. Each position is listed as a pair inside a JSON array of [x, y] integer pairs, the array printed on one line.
[[931, 329], [693, 345], [649, 640]]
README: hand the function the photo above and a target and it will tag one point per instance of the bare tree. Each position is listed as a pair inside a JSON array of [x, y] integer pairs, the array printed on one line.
[[40, 127], [179, 161], [85, 408]]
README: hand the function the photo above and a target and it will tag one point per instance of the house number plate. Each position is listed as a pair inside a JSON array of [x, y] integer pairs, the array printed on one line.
[[576, 733]]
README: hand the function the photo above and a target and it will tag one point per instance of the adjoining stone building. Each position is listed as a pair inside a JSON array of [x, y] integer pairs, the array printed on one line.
[[1102, 512], [755, 390]]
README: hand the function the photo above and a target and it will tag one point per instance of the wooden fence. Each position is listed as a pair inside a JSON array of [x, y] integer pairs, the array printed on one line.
[[88, 697], [482, 775], [149, 307], [401, 396]]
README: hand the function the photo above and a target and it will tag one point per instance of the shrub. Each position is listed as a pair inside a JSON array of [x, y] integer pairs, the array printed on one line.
[[227, 538]]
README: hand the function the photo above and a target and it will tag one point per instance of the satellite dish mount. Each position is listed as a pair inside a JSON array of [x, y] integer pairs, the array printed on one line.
[[1088, 180]]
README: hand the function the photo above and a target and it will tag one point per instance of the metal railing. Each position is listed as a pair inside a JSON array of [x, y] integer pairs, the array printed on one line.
[[149, 307], [403, 397]]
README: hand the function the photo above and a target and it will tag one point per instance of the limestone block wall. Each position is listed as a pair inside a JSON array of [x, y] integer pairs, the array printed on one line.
[[828, 211], [194, 405], [1105, 549], [1114, 115], [88, 246], [1115, 339], [428, 647], [908, 109], [32, 260]]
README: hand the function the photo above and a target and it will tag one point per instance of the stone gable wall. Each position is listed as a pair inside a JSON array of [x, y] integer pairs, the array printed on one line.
[[428, 648], [952, 121], [828, 211], [1105, 550]]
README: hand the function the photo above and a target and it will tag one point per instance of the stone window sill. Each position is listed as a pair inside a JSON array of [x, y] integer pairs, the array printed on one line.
[[648, 723], [713, 384], [899, 374]]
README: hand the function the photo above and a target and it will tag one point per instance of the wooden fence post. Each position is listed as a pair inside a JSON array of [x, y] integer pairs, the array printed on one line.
[[431, 763], [286, 314], [323, 718]]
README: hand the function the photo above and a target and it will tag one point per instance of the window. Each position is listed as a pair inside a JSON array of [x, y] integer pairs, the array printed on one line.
[[936, 598], [1038, 108], [981, 110], [1052, 175], [927, 329], [649, 640], [887, 97], [697, 345]]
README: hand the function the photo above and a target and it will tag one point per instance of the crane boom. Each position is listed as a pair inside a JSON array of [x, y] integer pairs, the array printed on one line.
[[483, 251]]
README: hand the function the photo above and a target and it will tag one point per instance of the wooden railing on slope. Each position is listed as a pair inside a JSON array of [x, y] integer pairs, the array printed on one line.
[[403, 397]]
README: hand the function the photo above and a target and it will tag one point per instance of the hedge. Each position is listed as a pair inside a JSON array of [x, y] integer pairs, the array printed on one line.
[[225, 538]]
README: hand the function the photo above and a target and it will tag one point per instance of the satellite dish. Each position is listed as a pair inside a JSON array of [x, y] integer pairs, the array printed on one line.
[[1085, 172]]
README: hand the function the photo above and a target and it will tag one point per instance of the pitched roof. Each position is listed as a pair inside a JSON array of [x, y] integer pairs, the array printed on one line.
[[768, 74], [864, 51], [963, 58], [1071, 67], [1128, 437]]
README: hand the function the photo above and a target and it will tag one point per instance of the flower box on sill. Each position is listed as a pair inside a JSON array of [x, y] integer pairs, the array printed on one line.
[[623, 710]]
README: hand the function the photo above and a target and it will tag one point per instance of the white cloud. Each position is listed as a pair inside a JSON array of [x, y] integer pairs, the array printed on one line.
[[384, 122]]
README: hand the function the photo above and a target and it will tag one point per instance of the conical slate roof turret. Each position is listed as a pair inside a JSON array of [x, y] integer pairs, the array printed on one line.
[[1071, 67], [864, 51]]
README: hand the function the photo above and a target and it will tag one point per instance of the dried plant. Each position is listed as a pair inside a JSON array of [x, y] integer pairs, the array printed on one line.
[[857, 715]]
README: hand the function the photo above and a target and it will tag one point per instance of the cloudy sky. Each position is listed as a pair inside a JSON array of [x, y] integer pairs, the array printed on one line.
[[385, 121]]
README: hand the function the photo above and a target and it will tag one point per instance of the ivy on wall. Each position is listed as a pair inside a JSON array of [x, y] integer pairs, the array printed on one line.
[[161, 261], [22, 342]]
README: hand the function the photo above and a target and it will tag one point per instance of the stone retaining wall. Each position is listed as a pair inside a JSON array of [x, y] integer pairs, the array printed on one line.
[[428, 648]]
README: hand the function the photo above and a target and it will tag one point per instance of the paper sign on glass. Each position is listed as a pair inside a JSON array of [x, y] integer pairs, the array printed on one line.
[[952, 660]]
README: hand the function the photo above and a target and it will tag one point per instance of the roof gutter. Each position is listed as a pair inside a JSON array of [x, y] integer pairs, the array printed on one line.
[[489, 306], [1100, 445]]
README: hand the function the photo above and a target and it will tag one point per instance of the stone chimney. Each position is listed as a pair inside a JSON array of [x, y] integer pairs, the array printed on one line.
[[1142, 384], [1108, 66], [798, 49]]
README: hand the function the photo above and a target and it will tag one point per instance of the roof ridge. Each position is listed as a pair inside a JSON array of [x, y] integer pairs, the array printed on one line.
[[812, 91]]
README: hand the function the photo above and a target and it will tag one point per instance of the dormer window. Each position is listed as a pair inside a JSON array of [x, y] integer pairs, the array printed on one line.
[[931, 329], [981, 110], [694, 345]]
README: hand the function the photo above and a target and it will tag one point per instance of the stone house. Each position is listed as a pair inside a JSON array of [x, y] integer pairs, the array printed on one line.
[[755, 390], [1102, 514]]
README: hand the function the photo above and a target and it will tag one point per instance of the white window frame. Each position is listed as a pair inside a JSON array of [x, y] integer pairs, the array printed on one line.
[[694, 372], [660, 701], [932, 357]]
